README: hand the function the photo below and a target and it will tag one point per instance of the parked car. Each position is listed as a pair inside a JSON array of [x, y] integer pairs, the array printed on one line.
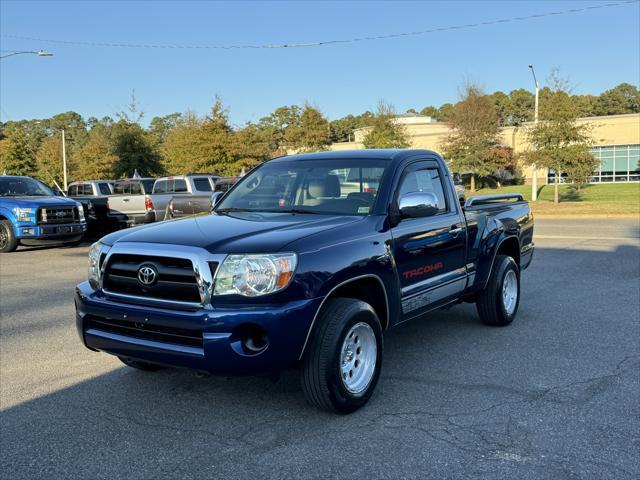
[[292, 271], [130, 203], [94, 196], [183, 206], [31, 214], [196, 188]]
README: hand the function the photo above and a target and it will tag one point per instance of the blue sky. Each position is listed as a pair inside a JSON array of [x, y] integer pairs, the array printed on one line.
[[596, 49]]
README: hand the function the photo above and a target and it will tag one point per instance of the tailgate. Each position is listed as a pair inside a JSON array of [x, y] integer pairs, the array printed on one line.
[[127, 204]]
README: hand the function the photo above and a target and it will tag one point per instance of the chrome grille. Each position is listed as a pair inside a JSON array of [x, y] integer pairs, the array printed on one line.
[[176, 279]]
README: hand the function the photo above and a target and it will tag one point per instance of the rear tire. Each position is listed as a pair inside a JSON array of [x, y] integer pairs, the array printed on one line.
[[342, 364], [140, 365], [498, 303], [8, 240]]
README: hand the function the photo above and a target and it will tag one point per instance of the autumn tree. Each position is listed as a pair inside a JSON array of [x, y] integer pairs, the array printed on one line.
[[17, 158], [470, 148], [558, 141], [49, 161], [385, 132], [95, 159]]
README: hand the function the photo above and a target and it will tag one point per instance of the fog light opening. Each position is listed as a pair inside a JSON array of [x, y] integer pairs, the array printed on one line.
[[255, 342], [252, 339]]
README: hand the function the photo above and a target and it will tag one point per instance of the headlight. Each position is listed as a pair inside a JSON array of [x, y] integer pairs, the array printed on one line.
[[95, 252], [24, 214], [254, 275], [80, 212]]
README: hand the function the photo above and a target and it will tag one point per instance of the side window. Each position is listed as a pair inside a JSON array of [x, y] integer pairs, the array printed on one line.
[[425, 180], [104, 189], [73, 191], [87, 189], [180, 186], [202, 184], [222, 187], [160, 186]]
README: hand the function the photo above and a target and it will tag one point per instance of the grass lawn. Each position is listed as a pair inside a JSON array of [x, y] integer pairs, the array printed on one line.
[[602, 199]]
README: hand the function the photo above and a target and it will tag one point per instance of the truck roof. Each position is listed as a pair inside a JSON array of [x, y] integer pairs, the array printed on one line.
[[378, 154]]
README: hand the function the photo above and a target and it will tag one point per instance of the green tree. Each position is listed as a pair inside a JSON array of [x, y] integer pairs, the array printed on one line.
[[430, 111], [444, 112], [521, 107], [310, 133], [95, 159], [384, 131], [470, 148], [624, 98], [558, 141], [342, 128], [282, 119], [135, 151], [17, 157]]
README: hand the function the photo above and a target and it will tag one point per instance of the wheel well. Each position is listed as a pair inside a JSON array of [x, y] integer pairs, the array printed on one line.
[[367, 289], [510, 247]]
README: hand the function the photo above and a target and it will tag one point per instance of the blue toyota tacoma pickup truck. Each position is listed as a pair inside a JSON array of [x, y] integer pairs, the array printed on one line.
[[31, 214], [304, 263]]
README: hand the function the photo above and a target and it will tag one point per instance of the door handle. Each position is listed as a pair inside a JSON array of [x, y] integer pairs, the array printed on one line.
[[455, 231]]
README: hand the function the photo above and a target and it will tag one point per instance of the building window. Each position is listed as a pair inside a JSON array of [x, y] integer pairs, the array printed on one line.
[[618, 163]]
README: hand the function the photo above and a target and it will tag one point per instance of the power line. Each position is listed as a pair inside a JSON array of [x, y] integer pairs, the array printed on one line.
[[327, 42]]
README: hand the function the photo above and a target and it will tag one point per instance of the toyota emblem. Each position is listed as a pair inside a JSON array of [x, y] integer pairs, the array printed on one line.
[[147, 275]]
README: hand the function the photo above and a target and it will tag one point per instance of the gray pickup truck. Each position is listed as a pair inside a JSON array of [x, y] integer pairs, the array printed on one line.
[[183, 206], [192, 188], [130, 203]]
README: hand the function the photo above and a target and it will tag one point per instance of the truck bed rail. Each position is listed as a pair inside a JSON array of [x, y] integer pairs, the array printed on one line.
[[487, 199]]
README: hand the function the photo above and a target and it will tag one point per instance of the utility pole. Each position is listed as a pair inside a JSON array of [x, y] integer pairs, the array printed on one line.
[[534, 175], [64, 161]]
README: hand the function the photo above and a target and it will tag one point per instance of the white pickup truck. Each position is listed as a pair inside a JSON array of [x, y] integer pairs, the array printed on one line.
[[147, 202]]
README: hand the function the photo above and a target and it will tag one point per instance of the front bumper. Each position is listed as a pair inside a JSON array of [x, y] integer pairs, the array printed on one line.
[[50, 232], [218, 349]]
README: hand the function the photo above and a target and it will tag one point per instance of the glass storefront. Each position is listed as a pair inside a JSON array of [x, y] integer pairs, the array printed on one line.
[[618, 163]]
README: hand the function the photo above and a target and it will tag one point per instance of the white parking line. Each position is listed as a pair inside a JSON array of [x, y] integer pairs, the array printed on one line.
[[576, 237]]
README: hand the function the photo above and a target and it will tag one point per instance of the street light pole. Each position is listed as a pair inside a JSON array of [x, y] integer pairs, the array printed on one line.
[[39, 53], [64, 161], [534, 175]]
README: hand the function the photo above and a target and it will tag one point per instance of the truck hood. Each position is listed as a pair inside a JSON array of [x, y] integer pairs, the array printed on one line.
[[243, 232], [35, 202]]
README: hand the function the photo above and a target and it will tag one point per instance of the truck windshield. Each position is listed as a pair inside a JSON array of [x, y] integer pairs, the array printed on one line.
[[326, 187], [23, 187]]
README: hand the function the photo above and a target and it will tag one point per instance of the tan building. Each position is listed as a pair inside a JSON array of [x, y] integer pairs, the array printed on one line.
[[616, 142]]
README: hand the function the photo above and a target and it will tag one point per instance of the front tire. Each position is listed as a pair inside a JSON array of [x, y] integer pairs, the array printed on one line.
[[498, 303], [342, 364], [8, 240]]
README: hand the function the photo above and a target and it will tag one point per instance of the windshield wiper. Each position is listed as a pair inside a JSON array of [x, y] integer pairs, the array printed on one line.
[[230, 209], [293, 210]]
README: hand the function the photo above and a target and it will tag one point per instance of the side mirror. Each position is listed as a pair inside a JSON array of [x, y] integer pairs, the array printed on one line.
[[418, 204], [215, 198]]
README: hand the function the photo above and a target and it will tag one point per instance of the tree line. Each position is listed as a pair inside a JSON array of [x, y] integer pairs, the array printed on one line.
[[178, 143]]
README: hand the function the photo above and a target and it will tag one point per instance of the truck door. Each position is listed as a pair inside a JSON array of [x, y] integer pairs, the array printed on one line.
[[429, 251]]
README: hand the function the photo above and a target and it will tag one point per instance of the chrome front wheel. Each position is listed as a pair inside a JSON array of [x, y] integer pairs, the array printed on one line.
[[358, 358]]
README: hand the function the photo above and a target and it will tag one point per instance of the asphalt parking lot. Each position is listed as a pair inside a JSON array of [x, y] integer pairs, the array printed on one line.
[[555, 395]]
